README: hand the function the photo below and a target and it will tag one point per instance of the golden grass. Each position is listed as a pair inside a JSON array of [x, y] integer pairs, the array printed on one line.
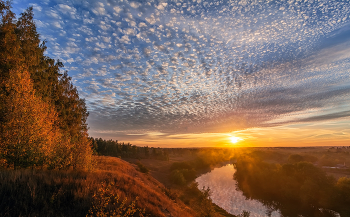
[[132, 183], [188, 194], [71, 193]]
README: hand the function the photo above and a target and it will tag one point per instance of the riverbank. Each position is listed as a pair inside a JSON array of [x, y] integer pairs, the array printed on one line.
[[201, 160], [188, 193]]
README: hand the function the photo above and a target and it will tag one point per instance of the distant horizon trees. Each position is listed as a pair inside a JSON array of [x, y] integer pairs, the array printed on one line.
[[42, 118], [120, 149]]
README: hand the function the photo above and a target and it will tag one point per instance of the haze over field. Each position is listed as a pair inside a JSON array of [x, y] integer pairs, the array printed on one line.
[[196, 73]]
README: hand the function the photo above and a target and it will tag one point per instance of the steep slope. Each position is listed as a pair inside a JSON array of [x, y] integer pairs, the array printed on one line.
[[132, 183], [114, 186]]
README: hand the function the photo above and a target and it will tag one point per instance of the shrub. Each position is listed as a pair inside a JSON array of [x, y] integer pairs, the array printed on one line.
[[177, 177], [106, 203], [189, 174], [142, 167]]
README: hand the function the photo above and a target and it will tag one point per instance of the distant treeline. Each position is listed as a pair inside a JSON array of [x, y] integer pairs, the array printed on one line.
[[42, 117], [120, 149]]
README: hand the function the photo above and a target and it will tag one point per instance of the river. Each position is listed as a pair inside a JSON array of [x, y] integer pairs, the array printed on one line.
[[224, 193]]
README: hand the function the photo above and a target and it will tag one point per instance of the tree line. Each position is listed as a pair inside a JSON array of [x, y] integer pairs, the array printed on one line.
[[42, 117], [126, 150]]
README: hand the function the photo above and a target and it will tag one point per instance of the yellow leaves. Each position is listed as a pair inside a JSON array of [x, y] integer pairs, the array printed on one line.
[[32, 94], [106, 203], [28, 123]]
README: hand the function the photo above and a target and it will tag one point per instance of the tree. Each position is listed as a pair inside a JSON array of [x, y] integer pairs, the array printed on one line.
[[9, 43], [294, 158], [343, 187], [72, 113], [28, 132], [42, 118], [146, 149]]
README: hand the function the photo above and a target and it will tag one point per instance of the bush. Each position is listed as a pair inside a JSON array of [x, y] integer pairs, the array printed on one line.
[[106, 203], [177, 177], [343, 187], [142, 168], [189, 174]]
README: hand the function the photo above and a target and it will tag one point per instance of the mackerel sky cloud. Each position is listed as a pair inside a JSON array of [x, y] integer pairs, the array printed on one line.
[[189, 67]]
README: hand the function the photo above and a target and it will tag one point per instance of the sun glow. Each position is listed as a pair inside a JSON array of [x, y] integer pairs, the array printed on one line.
[[235, 139]]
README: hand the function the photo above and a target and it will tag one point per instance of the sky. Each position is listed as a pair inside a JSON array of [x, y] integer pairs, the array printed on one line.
[[195, 73]]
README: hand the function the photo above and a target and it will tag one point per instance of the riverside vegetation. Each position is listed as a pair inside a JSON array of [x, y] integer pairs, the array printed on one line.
[[295, 181]]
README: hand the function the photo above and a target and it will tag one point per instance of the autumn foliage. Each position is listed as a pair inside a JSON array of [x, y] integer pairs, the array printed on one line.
[[42, 118]]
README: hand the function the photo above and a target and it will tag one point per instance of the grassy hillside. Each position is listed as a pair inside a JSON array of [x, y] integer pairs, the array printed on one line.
[[114, 186]]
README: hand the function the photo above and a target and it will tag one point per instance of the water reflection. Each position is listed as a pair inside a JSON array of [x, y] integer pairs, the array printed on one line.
[[224, 193]]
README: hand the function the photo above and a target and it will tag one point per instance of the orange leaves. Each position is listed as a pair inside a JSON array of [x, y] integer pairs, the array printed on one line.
[[42, 118], [28, 123], [32, 138]]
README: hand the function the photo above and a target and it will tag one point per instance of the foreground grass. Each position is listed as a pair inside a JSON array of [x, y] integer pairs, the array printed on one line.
[[116, 183]]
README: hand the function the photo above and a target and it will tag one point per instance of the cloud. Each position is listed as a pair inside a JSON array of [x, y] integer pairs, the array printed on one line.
[[195, 67], [66, 9], [326, 117], [36, 7], [99, 9], [40, 24], [53, 14], [70, 60], [57, 24]]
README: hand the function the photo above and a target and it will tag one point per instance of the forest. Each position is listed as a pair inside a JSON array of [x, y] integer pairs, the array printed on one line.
[[126, 150], [43, 120]]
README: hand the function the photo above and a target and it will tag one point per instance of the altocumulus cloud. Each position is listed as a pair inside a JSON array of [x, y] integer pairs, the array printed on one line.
[[201, 66]]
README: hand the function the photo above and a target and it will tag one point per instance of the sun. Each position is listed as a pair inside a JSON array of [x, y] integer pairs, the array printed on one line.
[[234, 139]]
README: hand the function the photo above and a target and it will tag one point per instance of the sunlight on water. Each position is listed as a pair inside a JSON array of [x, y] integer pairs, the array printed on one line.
[[224, 193]]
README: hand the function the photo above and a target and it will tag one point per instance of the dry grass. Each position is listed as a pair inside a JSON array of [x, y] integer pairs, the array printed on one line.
[[188, 194], [150, 192], [70, 193]]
